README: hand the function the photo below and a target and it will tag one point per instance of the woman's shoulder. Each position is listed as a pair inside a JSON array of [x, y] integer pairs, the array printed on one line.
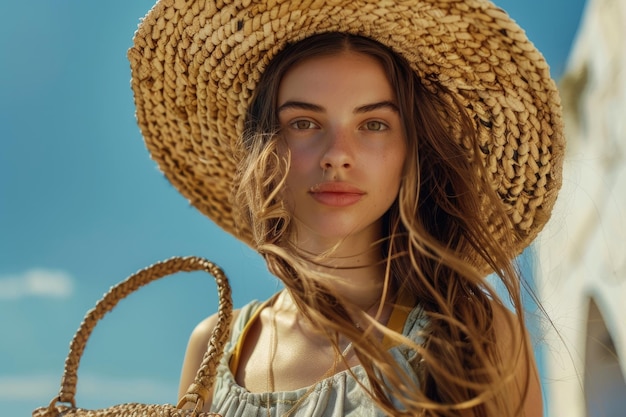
[[204, 328]]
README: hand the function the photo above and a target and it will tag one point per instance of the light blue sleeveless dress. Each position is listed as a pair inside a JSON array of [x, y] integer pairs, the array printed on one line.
[[337, 396]]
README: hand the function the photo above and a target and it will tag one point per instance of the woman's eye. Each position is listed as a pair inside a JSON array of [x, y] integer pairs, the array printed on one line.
[[375, 125], [303, 125]]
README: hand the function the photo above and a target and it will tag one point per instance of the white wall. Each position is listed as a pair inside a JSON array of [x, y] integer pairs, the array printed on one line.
[[582, 252]]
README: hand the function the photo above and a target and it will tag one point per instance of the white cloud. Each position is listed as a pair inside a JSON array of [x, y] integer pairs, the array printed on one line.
[[37, 283], [93, 391], [21, 387]]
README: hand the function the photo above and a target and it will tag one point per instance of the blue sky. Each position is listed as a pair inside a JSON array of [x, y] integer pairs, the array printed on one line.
[[82, 206]]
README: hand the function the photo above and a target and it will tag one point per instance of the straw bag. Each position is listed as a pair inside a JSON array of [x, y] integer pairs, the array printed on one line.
[[64, 404]]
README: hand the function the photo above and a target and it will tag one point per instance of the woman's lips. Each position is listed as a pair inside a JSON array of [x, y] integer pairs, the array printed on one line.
[[336, 194]]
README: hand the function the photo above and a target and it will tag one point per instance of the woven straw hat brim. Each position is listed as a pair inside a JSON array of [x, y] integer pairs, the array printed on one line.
[[195, 65]]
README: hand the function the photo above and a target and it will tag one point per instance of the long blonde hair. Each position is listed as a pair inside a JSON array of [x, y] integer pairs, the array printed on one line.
[[437, 245]]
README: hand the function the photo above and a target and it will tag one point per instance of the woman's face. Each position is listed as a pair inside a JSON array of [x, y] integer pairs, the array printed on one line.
[[339, 118]]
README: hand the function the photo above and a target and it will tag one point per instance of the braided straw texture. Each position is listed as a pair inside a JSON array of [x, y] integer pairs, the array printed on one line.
[[195, 65], [65, 405]]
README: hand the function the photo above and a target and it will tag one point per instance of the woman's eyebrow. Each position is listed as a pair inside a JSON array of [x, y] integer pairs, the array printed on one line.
[[301, 105], [376, 106]]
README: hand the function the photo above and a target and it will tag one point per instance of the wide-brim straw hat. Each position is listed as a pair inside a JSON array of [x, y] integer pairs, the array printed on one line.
[[195, 65]]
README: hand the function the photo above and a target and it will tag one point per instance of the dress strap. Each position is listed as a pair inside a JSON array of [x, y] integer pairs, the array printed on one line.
[[236, 353], [401, 310]]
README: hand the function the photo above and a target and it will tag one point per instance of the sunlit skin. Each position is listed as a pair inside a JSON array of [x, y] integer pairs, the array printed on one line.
[[339, 119], [340, 123]]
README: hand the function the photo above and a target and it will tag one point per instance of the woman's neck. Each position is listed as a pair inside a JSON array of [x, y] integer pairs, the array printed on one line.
[[355, 272]]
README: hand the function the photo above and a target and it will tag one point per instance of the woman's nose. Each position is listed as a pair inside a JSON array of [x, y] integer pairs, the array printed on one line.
[[339, 150]]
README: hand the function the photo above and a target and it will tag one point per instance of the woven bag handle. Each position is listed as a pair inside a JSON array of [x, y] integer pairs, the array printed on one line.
[[200, 389]]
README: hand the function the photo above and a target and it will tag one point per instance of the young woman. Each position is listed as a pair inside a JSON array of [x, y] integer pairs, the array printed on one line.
[[388, 156]]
